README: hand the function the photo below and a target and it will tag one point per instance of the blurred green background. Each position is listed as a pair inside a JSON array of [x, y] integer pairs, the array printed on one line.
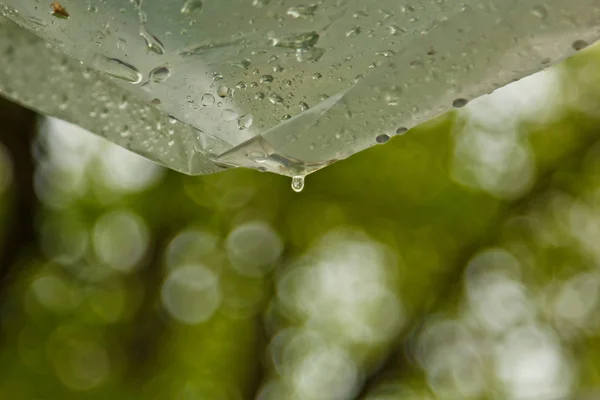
[[459, 260]]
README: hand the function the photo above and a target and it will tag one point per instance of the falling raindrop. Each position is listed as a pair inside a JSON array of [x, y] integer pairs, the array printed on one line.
[[117, 68], [298, 183]]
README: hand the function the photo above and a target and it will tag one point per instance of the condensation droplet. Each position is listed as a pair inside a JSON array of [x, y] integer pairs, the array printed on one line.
[[117, 68], [298, 183], [266, 79], [160, 74]]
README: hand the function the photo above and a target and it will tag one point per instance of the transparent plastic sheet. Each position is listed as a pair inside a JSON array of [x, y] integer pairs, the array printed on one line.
[[280, 86]]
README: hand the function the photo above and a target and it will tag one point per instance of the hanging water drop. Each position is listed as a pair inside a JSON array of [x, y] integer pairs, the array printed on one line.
[[298, 183]]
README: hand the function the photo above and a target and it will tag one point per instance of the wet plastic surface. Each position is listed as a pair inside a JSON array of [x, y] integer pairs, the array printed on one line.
[[280, 86]]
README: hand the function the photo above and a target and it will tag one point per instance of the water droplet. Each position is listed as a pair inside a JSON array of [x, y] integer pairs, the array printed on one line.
[[259, 96], [152, 42], [354, 31], [393, 97], [302, 11], [278, 68], [191, 6], [459, 103], [396, 30], [310, 55], [260, 3], [300, 41], [230, 115], [579, 45], [160, 74], [317, 75], [266, 79], [303, 106], [245, 63], [208, 100], [298, 183], [382, 138], [241, 85], [540, 12], [156, 101], [386, 53], [286, 117], [222, 91], [117, 68], [275, 99], [401, 130], [258, 156], [245, 121]]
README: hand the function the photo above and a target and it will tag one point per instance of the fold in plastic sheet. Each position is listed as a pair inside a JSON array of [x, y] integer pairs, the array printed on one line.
[[287, 87]]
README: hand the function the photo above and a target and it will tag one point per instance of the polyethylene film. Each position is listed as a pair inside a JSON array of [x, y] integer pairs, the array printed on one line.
[[281, 86]]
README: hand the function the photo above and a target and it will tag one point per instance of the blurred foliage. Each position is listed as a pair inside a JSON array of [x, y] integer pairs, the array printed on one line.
[[460, 260]]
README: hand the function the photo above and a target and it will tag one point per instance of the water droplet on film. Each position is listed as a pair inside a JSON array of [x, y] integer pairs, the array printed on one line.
[[117, 68]]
